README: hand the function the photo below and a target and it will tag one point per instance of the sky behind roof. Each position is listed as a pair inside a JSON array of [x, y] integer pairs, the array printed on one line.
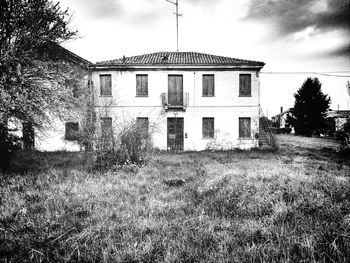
[[288, 35]]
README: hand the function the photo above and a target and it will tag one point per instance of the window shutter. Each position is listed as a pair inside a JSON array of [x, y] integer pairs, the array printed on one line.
[[245, 82], [106, 126], [208, 85], [138, 85], [205, 85], [211, 85], [141, 85], [105, 85], [175, 90], [208, 128], [143, 124], [107, 140], [244, 128], [145, 84]]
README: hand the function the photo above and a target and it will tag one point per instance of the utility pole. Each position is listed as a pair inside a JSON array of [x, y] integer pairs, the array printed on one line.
[[177, 21]]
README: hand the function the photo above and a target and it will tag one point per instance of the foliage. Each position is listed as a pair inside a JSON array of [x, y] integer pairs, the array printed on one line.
[[35, 85], [308, 115], [32, 85], [132, 145], [87, 135]]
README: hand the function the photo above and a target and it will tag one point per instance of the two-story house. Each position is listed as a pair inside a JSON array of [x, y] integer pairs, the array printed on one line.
[[196, 101]]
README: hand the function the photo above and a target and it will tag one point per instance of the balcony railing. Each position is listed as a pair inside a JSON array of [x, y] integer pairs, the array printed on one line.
[[177, 101]]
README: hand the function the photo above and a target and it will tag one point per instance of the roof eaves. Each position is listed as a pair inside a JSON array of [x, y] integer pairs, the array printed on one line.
[[175, 65]]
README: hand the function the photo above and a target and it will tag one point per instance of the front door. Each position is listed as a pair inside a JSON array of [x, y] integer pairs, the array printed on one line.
[[175, 90], [175, 134]]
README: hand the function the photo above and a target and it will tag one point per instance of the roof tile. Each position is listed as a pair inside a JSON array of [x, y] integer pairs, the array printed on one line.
[[180, 58]]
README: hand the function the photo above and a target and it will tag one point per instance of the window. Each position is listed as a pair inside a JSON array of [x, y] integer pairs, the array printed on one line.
[[208, 85], [141, 85], [71, 131], [245, 84], [106, 85], [106, 127], [175, 90], [143, 124], [28, 135], [244, 128], [208, 128]]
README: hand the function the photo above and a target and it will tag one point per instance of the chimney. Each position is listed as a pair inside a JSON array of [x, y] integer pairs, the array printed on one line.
[[281, 109]]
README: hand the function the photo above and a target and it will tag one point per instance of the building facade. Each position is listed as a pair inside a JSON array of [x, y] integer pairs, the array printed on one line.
[[190, 101], [56, 135], [280, 120]]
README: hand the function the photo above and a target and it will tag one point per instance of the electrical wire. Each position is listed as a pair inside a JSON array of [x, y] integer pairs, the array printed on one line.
[[327, 74]]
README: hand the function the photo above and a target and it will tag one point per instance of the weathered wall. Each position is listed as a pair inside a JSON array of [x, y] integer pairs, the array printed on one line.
[[226, 107]]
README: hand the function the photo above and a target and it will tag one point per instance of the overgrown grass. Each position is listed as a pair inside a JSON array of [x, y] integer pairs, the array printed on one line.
[[286, 206]]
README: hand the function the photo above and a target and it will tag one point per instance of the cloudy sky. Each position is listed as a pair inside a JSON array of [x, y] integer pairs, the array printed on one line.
[[288, 35]]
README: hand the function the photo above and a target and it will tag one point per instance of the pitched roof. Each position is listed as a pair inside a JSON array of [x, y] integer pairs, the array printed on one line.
[[180, 58], [55, 51]]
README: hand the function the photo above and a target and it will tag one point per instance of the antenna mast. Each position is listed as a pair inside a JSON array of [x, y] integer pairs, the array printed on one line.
[[177, 21]]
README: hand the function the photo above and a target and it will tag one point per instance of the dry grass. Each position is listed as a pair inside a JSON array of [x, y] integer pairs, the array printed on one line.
[[286, 206]]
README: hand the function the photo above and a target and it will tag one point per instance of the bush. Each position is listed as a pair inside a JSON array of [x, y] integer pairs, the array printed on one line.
[[131, 146]]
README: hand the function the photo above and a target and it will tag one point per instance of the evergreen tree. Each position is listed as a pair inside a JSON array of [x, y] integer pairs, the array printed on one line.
[[308, 115]]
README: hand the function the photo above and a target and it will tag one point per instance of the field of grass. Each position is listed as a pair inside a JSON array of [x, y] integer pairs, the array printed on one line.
[[292, 205]]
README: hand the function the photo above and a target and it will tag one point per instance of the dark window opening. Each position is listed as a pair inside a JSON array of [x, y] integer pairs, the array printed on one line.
[[141, 85], [208, 85], [244, 128], [245, 84], [106, 127], [72, 129], [208, 128], [106, 133], [28, 135], [142, 123], [106, 85]]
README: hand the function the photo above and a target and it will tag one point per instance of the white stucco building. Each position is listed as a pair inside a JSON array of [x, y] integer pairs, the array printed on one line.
[[196, 101]]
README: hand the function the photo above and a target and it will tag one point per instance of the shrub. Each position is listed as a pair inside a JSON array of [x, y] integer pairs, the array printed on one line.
[[131, 146]]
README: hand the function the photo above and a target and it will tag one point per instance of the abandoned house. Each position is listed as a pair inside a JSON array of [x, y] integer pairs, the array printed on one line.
[[192, 101], [196, 101]]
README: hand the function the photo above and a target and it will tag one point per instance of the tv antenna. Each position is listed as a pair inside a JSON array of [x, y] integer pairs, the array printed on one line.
[[177, 21]]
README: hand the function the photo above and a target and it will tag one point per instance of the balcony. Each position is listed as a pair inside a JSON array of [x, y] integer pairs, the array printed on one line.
[[175, 101]]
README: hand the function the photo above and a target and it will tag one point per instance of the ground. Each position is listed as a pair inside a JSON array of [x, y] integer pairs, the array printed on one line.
[[290, 205]]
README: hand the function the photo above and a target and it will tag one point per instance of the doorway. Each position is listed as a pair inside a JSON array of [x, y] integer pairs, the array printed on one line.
[[175, 134]]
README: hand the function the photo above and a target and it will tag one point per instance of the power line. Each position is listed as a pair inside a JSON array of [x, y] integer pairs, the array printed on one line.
[[328, 74]]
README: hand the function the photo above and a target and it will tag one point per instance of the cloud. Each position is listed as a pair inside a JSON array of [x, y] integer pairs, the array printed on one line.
[[291, 16], [288, 17], [205, 2], [342, 50], [101, 9], [144, 17]]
